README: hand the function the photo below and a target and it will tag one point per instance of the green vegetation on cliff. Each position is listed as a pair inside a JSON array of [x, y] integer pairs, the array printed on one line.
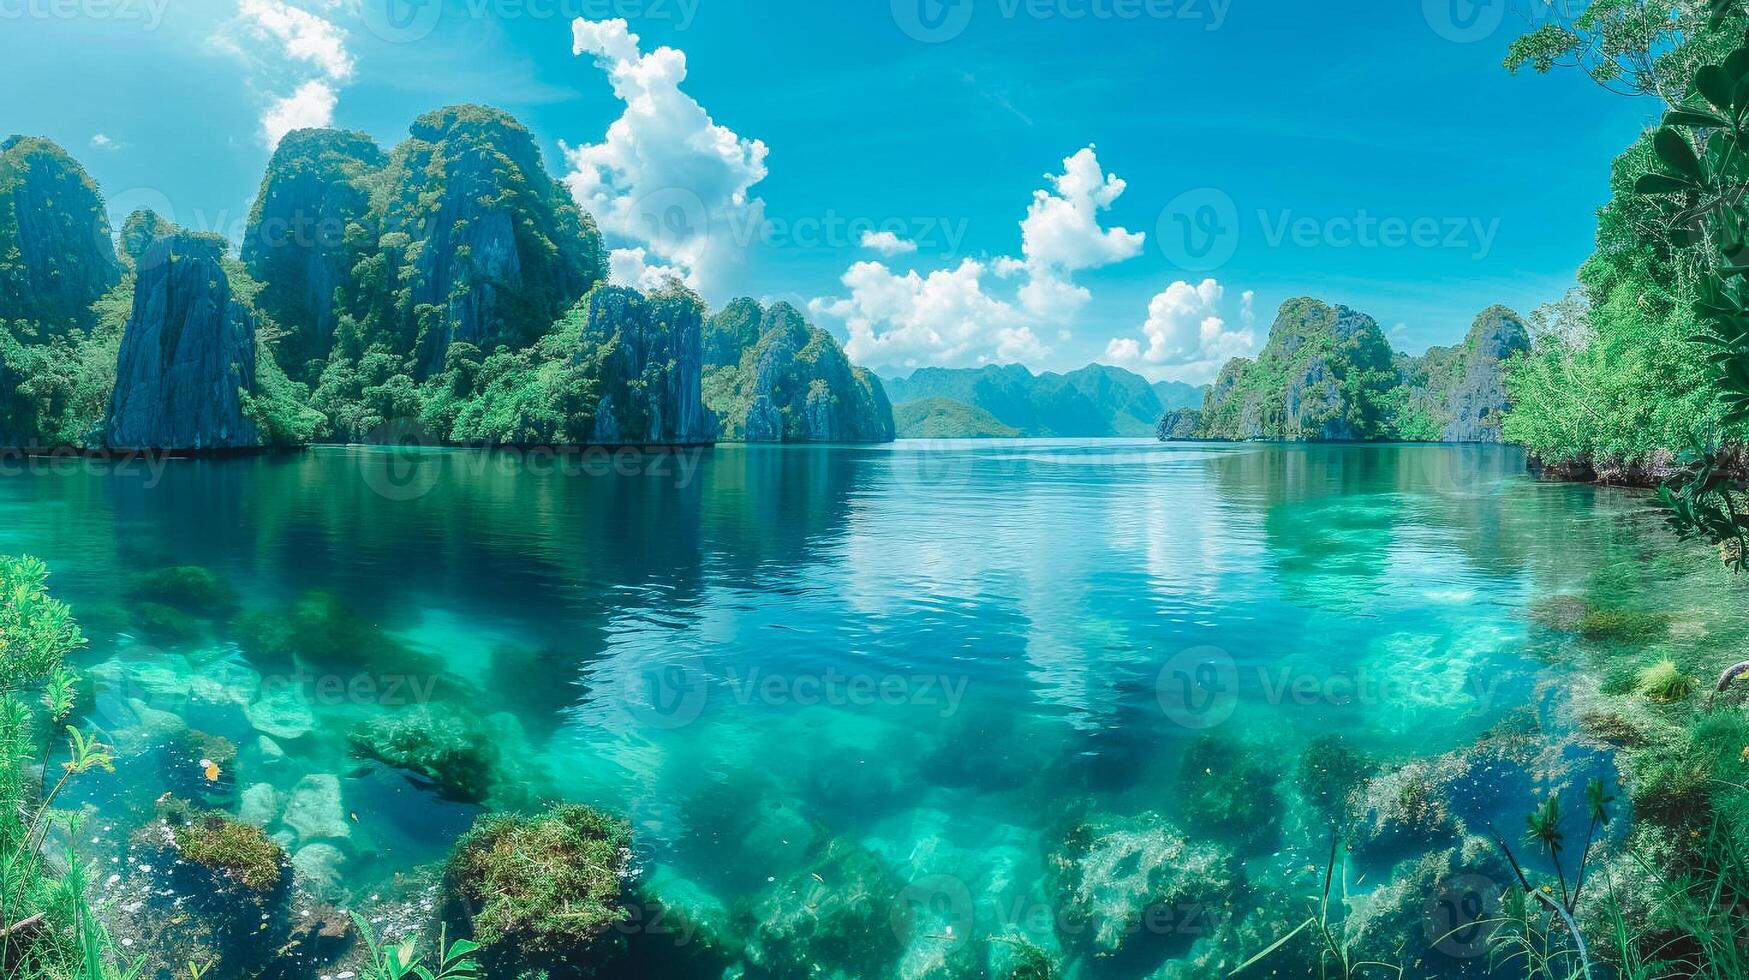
[[770, 376], [1325, 374]]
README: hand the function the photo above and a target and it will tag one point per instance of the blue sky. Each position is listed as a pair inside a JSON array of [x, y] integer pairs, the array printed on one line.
[[1370, 154]]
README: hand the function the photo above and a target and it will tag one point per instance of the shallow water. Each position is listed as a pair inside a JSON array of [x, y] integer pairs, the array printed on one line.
[[947, 653]]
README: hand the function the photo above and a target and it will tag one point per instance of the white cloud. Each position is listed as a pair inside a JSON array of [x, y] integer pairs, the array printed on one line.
[[103, 141], [944, 318], [666, 178], [310, 107], [948, 317], [1061, 235], [303, 36], [887, 243], [296, 62], [1188, 336], [631, 267]]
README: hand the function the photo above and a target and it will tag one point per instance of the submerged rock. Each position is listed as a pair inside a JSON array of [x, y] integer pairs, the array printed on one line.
[[187, 355], [532, 889], [834, 917], [315, 811], [440, 744], [282, 712], [792, 384], [1114, 874]]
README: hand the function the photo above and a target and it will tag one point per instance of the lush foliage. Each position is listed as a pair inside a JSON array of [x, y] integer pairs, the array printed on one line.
[[944, 418]]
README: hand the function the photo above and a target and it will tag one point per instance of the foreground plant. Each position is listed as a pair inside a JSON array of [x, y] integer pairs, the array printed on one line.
[[1337, 958], [396, 961]]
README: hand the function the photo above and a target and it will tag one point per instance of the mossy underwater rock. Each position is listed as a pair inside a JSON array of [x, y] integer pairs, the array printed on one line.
[[164, 626], [537, 889], [1113, 875], [833, 918], [1229, 793], [440, 744], [239, 852], [323, 632], [192, 589]]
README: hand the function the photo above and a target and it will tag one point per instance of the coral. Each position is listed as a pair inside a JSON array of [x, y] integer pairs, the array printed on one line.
[[546, 885], [439, 743]]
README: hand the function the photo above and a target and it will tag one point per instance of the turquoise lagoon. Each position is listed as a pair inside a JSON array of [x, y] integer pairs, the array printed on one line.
[[952, 658]]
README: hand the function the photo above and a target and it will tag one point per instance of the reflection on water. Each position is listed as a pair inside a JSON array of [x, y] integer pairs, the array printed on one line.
[[947, 653]]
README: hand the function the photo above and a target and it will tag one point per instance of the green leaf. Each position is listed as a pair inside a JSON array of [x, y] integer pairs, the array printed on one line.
[[1737, 64], [1662, 184], [1695, 119], [1677, 153], [1717, 86]]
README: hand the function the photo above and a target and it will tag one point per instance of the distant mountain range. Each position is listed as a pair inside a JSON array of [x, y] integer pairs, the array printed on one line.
[[1009, 400]]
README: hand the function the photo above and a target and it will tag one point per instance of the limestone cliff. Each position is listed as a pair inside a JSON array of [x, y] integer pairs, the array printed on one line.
[[56, 256], [792, 384], [650, 366], [187, 354], [1324, 375], [480, 243], [1458, 394], [310, 226]]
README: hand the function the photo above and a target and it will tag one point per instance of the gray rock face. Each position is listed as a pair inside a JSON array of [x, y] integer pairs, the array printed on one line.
[[56, 256], [651, 383], [490, 247], [310, 226], [793, 384], [187, 355], [1478, 401], [1180, 425], [1323, 376]]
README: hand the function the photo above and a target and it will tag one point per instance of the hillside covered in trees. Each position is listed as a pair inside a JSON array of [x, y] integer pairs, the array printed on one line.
[[448, 289]]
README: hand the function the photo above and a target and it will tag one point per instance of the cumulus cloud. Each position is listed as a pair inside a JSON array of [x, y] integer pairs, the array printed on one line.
[[887, 243], [949, 317], [943, 318], [667, 178], [632, 267], [1188, 334], [103, 141], [1061, 235], [296, 60], [310, 107]]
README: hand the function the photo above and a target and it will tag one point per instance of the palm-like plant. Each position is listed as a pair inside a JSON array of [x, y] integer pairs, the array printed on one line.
[[1543, 828]]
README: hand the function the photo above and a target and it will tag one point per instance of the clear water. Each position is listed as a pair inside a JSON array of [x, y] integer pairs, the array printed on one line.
[[945, 653]]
